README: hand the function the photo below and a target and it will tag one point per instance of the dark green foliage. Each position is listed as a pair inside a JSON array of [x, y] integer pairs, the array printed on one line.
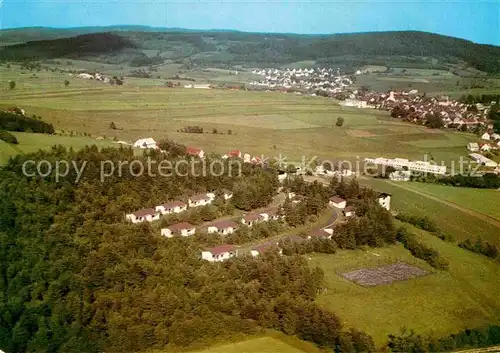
[[421, 251], [12, 85], [346, 51], [66, 83], [173, 148], [486, 181], [8, 137], [75, 47], [18, 122], [480, 247], [340, 121], [112, 125]]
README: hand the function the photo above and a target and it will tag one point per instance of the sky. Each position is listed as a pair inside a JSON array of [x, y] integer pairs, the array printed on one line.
[[478, 21]]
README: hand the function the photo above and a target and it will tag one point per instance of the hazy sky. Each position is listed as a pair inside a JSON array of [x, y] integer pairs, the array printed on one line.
[[478, 21]]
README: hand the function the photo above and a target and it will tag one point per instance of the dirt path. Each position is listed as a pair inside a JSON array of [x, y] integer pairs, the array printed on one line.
[[479, 215]]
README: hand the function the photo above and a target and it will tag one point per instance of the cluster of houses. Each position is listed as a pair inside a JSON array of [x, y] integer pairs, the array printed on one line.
[[407, 165], [96, 76], [15, 110], [415, 107], [307, 80]]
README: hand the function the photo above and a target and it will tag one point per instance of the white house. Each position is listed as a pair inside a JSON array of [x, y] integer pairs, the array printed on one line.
[[145, 215], [495, 136], [219, 253], [195, 152], [486, 136], [338, 202], [184, 229], [145, 143], [384, 200], [222, 227], [199, 200], [260, 249], [473, 146], [172, 207]]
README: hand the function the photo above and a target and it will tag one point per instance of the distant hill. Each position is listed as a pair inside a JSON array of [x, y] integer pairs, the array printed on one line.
[[128, 45]]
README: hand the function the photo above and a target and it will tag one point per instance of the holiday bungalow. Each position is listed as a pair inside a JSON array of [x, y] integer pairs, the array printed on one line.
[[222, 227], [337, 202], [145, 215], [171, 207], [199, 200]]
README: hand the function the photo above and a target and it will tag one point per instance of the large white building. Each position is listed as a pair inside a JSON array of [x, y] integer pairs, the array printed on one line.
[[417, 166]]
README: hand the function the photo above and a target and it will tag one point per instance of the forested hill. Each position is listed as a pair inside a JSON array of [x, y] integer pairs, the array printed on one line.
[[403, 49]]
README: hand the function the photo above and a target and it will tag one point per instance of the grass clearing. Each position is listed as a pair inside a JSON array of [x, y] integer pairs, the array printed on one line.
[[440, 303]]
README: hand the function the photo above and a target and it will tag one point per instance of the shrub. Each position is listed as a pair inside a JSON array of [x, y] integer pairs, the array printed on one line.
[[8, 137]]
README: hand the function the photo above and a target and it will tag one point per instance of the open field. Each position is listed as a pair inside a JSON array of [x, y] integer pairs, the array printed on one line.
[[440, 303], [386, 274], [462, 222], [29, 143], [480, 200], [266, 123]]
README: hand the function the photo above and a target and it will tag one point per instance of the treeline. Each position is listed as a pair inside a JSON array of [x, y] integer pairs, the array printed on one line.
[[76, 277], [421, 251], [485, 181], [18, 122], [410, 342], [481, 247]]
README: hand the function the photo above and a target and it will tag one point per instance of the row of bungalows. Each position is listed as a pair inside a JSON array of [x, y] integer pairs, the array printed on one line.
[[153, 214], [223, 227]]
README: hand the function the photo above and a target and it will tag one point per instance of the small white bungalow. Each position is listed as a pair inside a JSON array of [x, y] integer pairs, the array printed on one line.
[[219, 253]]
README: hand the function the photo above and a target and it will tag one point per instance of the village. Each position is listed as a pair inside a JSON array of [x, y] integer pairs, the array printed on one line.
[[338, 207]]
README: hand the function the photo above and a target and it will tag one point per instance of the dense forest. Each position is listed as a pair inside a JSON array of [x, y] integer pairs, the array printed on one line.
[[346, 51]]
